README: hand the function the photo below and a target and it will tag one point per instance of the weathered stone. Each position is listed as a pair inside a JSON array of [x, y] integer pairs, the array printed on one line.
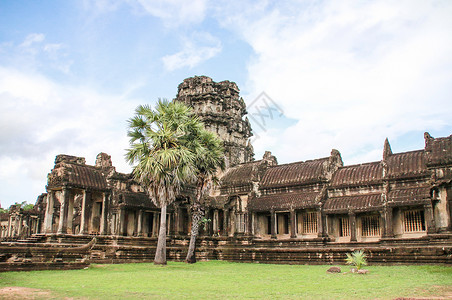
[[334, 270], [311, 211]]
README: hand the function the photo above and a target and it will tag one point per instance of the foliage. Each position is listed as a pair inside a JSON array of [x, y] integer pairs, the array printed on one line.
[[26, 206], [204, 222], [357, 259], [208, 280], [161, 143], [209, 157]]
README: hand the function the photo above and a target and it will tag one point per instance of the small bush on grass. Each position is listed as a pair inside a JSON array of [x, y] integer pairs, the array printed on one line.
[[358, 259]]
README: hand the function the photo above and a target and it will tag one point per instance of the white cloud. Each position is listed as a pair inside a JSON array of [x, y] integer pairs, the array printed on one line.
[[175, 12], [195, 50], [32, 39], [41, 118], [351, 72]]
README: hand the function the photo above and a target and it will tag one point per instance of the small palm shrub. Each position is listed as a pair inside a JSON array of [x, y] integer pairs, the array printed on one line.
[[358, 259]]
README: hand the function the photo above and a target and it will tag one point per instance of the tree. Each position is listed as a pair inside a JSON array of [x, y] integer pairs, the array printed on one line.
[[209, 157], [163, 161]]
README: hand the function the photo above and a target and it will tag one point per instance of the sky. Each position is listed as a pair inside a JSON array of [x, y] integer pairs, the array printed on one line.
[[316, 75]]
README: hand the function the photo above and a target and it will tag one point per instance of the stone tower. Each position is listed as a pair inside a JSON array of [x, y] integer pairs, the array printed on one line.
[[222, 110]]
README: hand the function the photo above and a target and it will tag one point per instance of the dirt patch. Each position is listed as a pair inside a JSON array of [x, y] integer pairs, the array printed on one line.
[[16, 292]]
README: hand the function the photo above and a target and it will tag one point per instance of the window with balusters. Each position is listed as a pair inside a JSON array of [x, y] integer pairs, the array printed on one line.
[[370, 225], [310, 222], [413, 220], [344, 226]]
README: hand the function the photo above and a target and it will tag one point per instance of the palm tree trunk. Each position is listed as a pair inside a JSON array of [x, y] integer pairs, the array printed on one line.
[[196, 219], [160, 252]]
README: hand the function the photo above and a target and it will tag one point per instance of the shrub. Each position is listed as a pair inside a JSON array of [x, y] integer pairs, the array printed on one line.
[[358, 259]]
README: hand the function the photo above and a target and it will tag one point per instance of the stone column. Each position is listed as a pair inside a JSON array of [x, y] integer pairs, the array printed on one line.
[[103, 217], [48, 217], [83, 216], [429, 218], [273, 224], [70, 211], [62, 224], [140, 223], [389, 231], [293, 227], [121, 220], [177, 219], [449, 207], [10, 225], [352, 219], [215, 222], [226, 222], [20, 226], [320, 224], [249, 224], [255, 224], [155, 224]]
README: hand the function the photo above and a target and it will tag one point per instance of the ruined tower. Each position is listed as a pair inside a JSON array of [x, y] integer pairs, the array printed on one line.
[[222, 110]]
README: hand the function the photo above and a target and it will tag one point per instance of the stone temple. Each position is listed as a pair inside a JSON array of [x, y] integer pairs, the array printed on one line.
[[398, 209]]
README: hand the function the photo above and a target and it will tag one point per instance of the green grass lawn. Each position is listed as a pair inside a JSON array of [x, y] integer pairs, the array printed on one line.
[[219, 279]]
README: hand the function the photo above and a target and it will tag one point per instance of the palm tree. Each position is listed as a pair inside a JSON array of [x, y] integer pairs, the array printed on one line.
[[158, 141], [209, 157]]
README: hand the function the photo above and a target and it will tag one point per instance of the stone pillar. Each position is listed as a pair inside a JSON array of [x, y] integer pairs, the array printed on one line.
[[293, 227], [37, 225], [48, 217], [177, 219], [70, 212], [62, 224], [273, 224], [215, 222], [103, 216], [249, 224], [121, 220], [255, 224], [449, 207], [155, 224], [20, 226], [10, 225], [140, 223], [389, 231], [83, 216], [320, 224], [429, 218], [352, 219], [226, 222]]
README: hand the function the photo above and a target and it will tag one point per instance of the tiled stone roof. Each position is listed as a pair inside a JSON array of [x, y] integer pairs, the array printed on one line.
[[241, 174], [78, 176], [410, 195], [86, 176], [364, 202], [406, 164], [295, 173], [364, 174], [439, 150], [135, 200], [282, 201]]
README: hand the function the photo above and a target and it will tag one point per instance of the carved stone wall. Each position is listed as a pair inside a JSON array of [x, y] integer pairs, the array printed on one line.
[[222, 110]]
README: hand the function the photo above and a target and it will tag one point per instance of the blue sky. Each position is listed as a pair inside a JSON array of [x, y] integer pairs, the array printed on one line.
[[344, 74]]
